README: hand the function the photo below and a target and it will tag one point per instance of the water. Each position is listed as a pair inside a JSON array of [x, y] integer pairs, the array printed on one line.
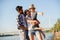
[[48, 37]]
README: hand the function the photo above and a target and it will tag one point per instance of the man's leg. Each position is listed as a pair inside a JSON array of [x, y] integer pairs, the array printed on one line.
[[22, 35], [27, 37]]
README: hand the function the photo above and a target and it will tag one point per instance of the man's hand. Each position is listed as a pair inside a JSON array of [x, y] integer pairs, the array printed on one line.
[[23, 28]]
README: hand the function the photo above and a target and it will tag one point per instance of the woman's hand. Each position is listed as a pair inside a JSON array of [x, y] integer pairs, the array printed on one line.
[[36, 22]]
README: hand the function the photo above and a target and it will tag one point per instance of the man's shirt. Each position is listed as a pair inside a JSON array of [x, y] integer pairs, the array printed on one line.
[[21, 20]]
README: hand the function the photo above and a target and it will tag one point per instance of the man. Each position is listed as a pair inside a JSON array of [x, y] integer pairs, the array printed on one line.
[[22, 26]]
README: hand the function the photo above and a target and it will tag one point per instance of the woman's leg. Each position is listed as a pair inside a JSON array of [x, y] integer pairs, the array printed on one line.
[[38, 35], [42, 33], [31, 37]]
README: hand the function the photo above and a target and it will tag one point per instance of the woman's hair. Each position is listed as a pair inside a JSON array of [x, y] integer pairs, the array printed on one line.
[[25, 12]]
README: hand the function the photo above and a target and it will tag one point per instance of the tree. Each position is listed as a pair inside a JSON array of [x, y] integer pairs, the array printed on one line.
[[56, 26]]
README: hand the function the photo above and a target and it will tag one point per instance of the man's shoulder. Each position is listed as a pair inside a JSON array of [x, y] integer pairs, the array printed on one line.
[[20, 15]]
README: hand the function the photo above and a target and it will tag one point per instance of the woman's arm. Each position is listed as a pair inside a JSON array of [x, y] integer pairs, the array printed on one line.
[[38, 28], [30, 21], [38, 21]]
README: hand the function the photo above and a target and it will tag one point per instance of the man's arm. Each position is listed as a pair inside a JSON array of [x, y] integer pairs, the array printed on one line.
[[23, 28]]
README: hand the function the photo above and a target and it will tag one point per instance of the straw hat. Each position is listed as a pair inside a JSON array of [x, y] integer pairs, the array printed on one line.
[[31, 6]]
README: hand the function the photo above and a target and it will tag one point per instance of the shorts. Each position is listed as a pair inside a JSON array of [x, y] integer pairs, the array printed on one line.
[[30, 30], [33, 32]]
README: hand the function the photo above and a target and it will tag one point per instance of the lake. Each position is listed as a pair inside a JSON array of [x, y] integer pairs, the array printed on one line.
[[48, 37]]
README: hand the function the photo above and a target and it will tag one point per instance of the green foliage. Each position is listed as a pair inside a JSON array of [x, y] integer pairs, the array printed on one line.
[[56, 25]]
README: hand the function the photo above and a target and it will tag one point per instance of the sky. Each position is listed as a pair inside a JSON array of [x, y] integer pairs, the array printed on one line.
[[8, 13]]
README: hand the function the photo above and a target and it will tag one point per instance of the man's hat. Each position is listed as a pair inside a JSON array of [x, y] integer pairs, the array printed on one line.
[[32, 6]]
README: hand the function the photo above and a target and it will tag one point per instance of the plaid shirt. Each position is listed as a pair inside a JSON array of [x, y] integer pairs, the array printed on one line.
[[21, 21]]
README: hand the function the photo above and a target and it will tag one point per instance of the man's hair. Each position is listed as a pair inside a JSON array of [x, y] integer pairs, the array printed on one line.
[[18, 8]]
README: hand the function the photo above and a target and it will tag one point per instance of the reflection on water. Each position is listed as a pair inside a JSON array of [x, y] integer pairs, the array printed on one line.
[[48, 37]]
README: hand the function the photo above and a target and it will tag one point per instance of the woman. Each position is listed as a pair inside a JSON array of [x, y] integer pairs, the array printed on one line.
[[32, 31]]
